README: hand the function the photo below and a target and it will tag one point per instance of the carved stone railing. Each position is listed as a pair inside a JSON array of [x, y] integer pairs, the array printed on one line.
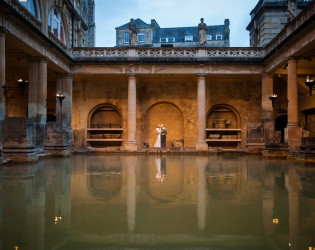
[[180, 53], [291, 27], [16, 6]]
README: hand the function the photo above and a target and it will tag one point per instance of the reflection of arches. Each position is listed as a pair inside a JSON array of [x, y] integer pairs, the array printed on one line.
[[225, 112], [104, 179], [280, 124], [169, 115], [171, 186]]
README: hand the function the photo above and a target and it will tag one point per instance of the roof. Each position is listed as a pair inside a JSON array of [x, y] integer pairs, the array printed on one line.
[[180, 32], [139, 23]]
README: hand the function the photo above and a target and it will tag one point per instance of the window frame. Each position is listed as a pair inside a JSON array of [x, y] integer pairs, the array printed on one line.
[[219, 37], [54, 18], [142, 36], [126, 35], [208, 37], [189, 38]]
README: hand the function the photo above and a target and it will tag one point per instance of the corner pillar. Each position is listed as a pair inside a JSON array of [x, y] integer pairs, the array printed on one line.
[[201, 113], [32, 88], [293, 133], [132, 143], [267, 109]]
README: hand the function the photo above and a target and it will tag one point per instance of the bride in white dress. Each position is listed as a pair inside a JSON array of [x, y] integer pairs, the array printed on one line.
[[157, 143]]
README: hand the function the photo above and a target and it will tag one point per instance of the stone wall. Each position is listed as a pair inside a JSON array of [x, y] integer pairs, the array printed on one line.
[[165, 100]]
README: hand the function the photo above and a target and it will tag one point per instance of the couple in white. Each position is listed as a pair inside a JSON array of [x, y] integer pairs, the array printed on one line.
[[161, 136]]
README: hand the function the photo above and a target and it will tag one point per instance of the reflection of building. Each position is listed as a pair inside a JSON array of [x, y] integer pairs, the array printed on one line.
[[151, 35], [114, 97]]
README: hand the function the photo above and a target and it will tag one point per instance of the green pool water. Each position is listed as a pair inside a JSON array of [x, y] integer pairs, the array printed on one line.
[[157, 202]]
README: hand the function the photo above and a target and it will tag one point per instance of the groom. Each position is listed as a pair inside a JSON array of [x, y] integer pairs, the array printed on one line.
[[163, 136]]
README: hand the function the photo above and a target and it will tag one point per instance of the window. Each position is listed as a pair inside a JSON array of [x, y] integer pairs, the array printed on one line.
[[31, 6], [140, 38], [126, 37], [188, 38], [55, 25], [208, 37], [163, 40], [78, 6], [171, 39], [219, 37]]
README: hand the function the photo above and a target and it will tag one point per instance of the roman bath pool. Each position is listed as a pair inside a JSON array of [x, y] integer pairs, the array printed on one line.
[[157, 202]]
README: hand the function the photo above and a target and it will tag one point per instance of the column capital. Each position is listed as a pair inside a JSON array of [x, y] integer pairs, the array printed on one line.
[[201, 74], [267, 75], [3, 32], [292, 59]]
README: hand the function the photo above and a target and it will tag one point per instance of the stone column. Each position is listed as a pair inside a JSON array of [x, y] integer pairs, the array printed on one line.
[[201, 113], [2, 82], [41, 104], [267, 109], [32, 88], [42, 91], [59, 91], [293, 133], [132, 143], [67, 102]]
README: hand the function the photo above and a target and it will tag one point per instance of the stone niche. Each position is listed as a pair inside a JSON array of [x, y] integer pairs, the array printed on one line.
[[222, 117], [105, 127]]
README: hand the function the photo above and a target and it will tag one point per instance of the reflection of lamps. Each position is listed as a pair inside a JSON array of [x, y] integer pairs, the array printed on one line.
[[60, 97], [310, 84], [22, 85], [272, 98], [275, 221]]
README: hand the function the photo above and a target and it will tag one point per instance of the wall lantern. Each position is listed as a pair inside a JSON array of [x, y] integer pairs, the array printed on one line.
[[22, 84], [310, 84], [272, 98], [275, 221]]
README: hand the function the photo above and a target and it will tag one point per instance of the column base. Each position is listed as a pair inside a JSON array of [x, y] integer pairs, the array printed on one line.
[[202, 146], [293, 136], [131, 146]]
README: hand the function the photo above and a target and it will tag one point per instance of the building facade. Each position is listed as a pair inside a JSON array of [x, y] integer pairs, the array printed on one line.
[[152, 35], [209, 98]]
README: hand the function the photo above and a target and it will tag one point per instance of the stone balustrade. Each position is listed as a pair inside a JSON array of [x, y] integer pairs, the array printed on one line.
[[181, 53]]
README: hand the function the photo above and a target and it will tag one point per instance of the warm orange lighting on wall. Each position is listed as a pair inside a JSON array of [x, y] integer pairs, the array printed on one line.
[[57, 219]]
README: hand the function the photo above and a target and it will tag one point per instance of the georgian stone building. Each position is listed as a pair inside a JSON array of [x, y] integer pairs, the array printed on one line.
[[152, 35], [209, 98]]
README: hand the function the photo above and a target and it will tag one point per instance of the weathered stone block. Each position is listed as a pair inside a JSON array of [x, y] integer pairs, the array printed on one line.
[[57, 141], [177, 143], [273, 150], [18, 140], [293, 136]]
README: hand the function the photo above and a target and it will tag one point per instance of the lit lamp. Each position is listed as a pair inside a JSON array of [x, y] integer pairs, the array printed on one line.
[[60, 97], [21, 86], [275, 221], [310, 84], [272, 98]]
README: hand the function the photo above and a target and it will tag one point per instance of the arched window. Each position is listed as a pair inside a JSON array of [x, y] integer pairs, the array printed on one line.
[[55, 25], [31, 6]]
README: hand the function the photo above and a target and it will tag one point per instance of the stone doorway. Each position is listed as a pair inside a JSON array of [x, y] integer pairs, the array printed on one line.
[[169, 115], [280, 124]]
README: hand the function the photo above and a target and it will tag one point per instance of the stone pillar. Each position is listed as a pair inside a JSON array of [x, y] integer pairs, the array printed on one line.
[[201, 113], [293, 133], [41, 105], [32, 88], [132, 143], [67, 102], [59, 91], [2, 82], [267, 109]]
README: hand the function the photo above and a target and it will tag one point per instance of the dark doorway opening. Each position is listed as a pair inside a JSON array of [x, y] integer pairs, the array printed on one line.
[[281, 123]]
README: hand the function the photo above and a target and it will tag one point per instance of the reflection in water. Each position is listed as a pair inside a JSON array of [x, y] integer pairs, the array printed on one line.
[[123, 202]]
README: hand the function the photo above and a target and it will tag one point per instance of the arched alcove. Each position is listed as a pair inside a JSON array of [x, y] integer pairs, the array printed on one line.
[[105, 126], [223, 127], [169, 115]]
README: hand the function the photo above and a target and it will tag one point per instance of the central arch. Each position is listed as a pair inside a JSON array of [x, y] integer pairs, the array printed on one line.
[[163, 113]]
